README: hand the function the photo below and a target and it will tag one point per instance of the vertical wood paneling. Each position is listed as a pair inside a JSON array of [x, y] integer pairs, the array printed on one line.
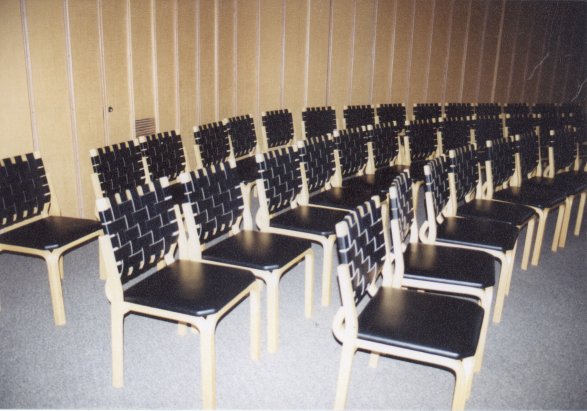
[[487, 66], [552, 46], [48, 61], [15, 118], [576, 88], [247, 58], [440, 44], [474, 49], [457, 49], [318, 54], [507, 56], [383, 39], [142, 58], [525, 33], [226, 59], [165, 47], [343, 19], [423, 27], [271, 58], [402, 49], [545, 56], [206, 104], [116, 76], [294, 92], [87, 94], [362, 67], [535, 57], [188, 65]]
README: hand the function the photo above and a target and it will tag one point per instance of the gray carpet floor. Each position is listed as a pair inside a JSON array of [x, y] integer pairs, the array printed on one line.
[[535, 358]]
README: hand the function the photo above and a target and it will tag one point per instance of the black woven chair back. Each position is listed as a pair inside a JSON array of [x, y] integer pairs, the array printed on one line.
[[437, 183], [282, 180], [458, 111], [501, 155], [390, 113], [24, 190], [359, 115], [164, 154], [402, 206], [319, 121], [385, 144], [279, 128], [317, 154], [487, 128], [464, 165], [351, 145], [546, 117], [518, 118], [362, 248], [422, 137], [216, 200], [455, 133], [430, 112], [527, 146], [241, 130], [213, 141], [142, 228], [119, 167], [488, 110], [564, 145]]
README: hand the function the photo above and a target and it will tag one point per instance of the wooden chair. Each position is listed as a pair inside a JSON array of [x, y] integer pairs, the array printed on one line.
[[427, 112], [280, 212], [455, 133], [506, 163], [443, 227], [466, 192], [427, 328], [212, 144], [435, 267], [165, 158], [213, 208], [318, 121], [278, 129], [142, 229], [390, 113], [31, 221], [358, 115], [458, 111]]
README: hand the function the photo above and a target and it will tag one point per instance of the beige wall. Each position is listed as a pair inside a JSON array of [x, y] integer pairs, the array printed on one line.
[[188, 62]]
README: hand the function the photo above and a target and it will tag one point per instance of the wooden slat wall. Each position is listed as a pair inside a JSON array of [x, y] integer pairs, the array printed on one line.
[[189, 62]]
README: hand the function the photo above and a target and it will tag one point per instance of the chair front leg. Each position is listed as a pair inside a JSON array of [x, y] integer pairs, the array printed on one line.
[[328, 248], [344, 374], [580, 210], [309, 284], [486, 304], [528, 243], [54, 274], [559, 224], [272, 282], [208, 363], [501, 290], [566, 220], [542, 215], [117, 330], [255, 304]]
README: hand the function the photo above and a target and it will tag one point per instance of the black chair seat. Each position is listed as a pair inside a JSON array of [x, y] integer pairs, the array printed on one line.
[[424, 322], [191, 288], [247, 169], [347, 197], [50, 233], [312, 220], [570, 183], [257, 250], [531, 196], [375, 183], [477, 233], [449, 265], [515, 214]]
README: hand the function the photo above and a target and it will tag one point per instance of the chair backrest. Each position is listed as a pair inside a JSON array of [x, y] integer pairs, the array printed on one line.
[[118, 167], [464, 168], [282, 181], [141, 225], [487, 128], [456, 132], [458, 110], [422, 140], [385, 145], [361, 246], [388, 113], [402, 206], [317, 156], [164, 154], [319, 121], [488, 110], [213, 195], [563, 144], [431, 112], [358, 115], [518, 118], [500, 155], [351, 149], [436, 177], [24, 189], [243, 138], [527, 148], [212, 144], [279, 128]]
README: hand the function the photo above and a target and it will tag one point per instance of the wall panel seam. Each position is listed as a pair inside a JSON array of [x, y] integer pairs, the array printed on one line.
[[176, 64], [373, 50], [498, 51], [29, 75], [307, 59], [410, 54], [155, 68], [429, 58], [282, 73], [131, 93], [482, 51], [103, 83], [216, 59], [465, 47], [513, 56], [527, 59], [392, 50], [329, 61], [198, 62], [353, 42], [447, 52], [258, 64], [234, 93]]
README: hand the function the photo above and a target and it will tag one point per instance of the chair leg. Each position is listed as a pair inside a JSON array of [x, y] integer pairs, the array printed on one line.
[[208, 364], [510, 258], [309, 284], [558, 228], [567, 218], [61, 270], [54, 273], [373, 359], [528, 243], [543, 214], [468, 365], [117, 330], [328, 248], [182, 328], [272, 282], [486, 304], [501, 291], [461, 385], [102, 266], [344, 375], [255, 305], [580, 210]]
